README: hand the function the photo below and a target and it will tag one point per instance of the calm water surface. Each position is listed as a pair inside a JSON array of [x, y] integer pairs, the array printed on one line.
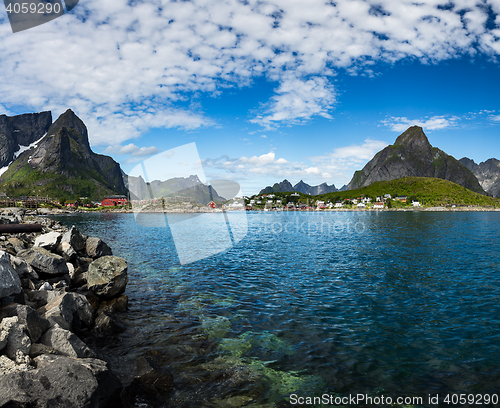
[[394, 304]]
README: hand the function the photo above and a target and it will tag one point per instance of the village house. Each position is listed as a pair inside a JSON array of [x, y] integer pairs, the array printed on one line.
[[361, 205], [378, 205], [339, 205], [211, 204], [113, 201]]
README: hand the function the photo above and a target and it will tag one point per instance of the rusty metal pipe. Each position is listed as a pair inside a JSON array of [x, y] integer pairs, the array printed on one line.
[[17, 228]]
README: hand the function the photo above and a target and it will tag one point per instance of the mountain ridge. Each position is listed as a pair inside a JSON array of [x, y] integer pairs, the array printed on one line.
[[63, 164], [487, 173], [412, 155], [301, 187]]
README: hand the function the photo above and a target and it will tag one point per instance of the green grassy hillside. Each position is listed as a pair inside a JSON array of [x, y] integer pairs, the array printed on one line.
[[428, 190]]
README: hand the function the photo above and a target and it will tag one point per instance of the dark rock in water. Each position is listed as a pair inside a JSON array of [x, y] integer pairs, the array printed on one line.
[[44, 261], [152, 383], [61, 382], [116, 305], [95, 247], [66, 343], [74, 238], [10, 283], [107, 276], [35, 324], [106, 325]]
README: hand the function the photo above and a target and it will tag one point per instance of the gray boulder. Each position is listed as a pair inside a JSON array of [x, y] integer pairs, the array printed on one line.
[[35, 325], [17, 339], [74, 238], [44, 261], [66, 343], [107, 276], [66, 250], [48, 241], [95, 248], [42, 297], [71, 311], [18, 244], [23, 269], [9, 279], [61, 382]]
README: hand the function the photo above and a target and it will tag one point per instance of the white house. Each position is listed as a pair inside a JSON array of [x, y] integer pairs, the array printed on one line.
[[339, 205], [415, 203], [361, 205], [378, 205]]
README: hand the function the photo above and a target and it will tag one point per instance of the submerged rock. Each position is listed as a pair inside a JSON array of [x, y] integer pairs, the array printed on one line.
[[107, 276]]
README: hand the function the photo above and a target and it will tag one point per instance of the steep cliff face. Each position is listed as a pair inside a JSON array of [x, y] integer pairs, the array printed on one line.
[[487, 173], [63, 162], [413, 156], [21, 130]]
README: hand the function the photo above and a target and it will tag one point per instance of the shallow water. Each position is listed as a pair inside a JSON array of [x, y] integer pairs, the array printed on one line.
[[387, 303]]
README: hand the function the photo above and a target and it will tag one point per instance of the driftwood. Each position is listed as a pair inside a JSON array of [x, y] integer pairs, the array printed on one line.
[[16, 228]]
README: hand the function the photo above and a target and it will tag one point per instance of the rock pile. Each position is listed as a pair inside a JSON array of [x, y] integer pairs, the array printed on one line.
[[57, 287]]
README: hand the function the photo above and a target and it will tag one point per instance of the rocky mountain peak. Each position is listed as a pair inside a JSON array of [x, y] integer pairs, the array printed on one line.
[[76, 127], [414, 139], [413, 156]]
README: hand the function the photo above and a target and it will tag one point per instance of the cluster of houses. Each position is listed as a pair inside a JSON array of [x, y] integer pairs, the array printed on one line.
[[269, 201], [109, 201]]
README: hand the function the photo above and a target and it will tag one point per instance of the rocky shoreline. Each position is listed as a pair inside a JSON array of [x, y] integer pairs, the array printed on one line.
[[59, 291]]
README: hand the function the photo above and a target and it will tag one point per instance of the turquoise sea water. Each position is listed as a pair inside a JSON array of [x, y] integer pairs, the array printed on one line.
[[387, 303]]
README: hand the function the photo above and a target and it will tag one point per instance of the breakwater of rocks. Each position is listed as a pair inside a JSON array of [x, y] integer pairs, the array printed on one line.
[[60, 290]]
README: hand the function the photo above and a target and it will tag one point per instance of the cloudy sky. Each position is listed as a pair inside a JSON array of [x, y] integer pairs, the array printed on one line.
[[296, 89]]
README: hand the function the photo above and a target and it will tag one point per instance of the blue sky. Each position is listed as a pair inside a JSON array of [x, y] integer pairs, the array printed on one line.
[[266, 89]]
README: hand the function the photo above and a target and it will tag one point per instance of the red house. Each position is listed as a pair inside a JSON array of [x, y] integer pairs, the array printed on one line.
[[113, 201], [211, 204]]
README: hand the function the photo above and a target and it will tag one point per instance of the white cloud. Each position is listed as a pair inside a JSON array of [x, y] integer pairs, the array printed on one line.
[[132, 150], [400, 124], [496, 118], [298, 100], [335, 167], [125, 67]]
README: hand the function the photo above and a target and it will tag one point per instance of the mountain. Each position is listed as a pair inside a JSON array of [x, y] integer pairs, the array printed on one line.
[[61, 163], [487, 173], [301, 187], [178, 188], [18, 132], [413, 156]]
